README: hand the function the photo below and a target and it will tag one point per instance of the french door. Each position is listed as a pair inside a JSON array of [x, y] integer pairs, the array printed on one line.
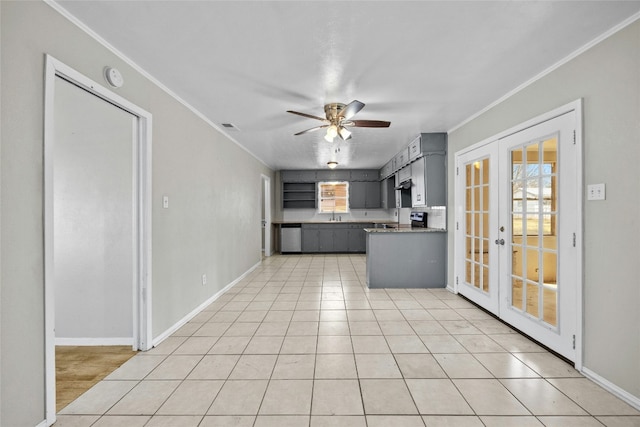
[[516, 229]]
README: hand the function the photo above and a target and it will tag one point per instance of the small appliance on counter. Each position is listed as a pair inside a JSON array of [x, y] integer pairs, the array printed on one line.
[[418, 219]]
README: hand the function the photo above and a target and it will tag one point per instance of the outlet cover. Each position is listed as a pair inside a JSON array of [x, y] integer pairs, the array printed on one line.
[[204, 279], [596, 192]]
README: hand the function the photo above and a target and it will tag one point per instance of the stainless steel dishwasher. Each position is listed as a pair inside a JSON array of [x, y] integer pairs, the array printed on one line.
[[290, 238]]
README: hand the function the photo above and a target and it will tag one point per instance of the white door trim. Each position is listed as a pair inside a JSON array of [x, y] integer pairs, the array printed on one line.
[[572, 106], [142, 332], [265, 182]]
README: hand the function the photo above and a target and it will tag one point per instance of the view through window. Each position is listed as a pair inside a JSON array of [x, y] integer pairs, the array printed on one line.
[[333, 197]]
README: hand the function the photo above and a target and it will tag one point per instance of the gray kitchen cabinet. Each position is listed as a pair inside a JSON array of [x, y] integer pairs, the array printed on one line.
[[298, 176], [364, 175], [427, 143], [428, 180], [387, 170], [333, 238], [358, 237], [333, 175], [326, 239], [341, 238], [402, 158], [387, 193], [372, 197], [357, 195], [310, 238], [364, 195]]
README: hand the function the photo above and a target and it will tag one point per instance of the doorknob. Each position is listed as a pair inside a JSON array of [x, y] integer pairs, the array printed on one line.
[[500, 242]]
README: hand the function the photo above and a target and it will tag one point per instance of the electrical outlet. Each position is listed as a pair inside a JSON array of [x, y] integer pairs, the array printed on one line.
[[596, 192], [204, 279]]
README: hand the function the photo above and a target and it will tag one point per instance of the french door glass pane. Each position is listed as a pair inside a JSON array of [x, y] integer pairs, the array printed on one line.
[[477, 224], [534, 204]]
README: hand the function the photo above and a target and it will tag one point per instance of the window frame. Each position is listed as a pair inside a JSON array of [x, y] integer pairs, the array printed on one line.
[[321, 198]]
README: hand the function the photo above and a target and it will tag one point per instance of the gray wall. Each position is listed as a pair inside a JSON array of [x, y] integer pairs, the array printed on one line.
[[212, 225], [607, 77]]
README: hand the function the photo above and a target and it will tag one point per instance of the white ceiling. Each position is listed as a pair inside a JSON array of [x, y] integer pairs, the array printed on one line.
[[424, 66]]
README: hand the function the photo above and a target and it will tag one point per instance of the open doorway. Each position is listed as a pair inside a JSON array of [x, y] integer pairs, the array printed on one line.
[[266, 215], [97, 219]]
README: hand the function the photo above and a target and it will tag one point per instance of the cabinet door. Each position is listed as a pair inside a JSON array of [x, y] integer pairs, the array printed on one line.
[[414, 149], [357, 241], [341, 239], [404, 174], [310, 240], [357, 195], [372, 196], [364, 175], [435, 179], [326, 239], [333, 175], [418, 197]]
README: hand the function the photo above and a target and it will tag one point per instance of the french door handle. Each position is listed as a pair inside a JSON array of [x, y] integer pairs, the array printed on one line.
[[500, 242]]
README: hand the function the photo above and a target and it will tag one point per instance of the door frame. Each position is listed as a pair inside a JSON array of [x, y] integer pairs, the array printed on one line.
[[265, 182], [141, 292], [575, 106]]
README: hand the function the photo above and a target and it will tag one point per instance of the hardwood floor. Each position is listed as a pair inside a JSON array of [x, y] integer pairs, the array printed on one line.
[[79, 368]]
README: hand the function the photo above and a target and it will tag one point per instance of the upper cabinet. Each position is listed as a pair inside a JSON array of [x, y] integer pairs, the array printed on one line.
[[424, 161], [333, 175], [365, 175], [428, 180], [298, 175], [402, 158]]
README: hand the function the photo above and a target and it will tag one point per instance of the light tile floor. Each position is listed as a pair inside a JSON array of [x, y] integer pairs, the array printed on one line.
[[302, 342]]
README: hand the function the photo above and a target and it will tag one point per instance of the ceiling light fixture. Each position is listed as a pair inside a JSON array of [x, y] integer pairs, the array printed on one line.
[[332, 132], [332, 164]]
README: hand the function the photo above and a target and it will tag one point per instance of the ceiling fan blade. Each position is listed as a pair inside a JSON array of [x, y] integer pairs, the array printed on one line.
[[344, 133], [351, 110], [311, 130], [370, 123], [309, 116]]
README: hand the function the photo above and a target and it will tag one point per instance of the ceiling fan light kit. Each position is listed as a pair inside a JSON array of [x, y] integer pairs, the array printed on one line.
[[338, 118]]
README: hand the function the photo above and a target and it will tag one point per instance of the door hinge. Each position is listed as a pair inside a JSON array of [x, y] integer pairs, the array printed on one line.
[[574, 342], [574, 137], [457, 171], [457, 280], [457, 223], [574, 240]]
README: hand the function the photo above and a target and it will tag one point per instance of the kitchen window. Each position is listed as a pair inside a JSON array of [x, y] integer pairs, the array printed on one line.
[[333, 197]]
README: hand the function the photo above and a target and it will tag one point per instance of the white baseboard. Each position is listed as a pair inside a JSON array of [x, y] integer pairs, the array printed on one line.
[[180, 323], [94, 341], [612, 388], [451, 289], [43, 424]]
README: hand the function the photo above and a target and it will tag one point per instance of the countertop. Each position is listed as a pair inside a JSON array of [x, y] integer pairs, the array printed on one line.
[[350, 221], [405, 229]]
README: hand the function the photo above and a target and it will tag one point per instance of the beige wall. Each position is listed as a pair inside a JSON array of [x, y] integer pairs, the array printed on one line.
[[607, 77], [212, 225]]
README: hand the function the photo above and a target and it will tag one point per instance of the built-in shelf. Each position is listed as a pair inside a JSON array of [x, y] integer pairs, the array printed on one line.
[[299, 195]]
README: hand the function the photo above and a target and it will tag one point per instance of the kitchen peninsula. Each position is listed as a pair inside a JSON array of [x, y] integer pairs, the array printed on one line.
[[406, 257]]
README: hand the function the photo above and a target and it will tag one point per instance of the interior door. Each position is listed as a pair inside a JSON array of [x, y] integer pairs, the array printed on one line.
[[477, 227], [538, 210], [516, 229]]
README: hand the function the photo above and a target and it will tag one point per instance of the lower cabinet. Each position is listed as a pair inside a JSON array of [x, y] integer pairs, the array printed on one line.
[[334, 238], [310, 238]]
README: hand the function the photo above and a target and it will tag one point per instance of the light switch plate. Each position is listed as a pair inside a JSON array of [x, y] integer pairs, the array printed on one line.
[[165, 202], [596, 192]]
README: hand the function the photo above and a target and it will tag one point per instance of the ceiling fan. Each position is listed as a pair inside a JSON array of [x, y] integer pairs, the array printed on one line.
[[338, 119]]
